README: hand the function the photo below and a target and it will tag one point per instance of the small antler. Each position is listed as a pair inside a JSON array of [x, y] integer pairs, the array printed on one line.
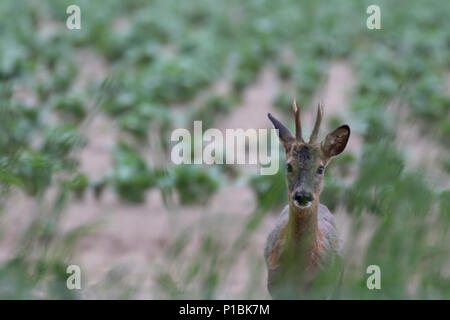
[[315, 131], [298, 124]]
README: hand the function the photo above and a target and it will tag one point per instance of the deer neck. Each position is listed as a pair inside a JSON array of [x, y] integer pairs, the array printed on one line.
[[302, 229]]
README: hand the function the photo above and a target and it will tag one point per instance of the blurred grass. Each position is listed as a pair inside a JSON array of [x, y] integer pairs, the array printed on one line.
[[166, 53]]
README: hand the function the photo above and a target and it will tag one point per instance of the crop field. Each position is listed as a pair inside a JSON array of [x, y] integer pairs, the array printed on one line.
[[86, 117]]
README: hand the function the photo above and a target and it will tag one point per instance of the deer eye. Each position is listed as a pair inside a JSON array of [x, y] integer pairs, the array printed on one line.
[[289, 167], [320, 170]]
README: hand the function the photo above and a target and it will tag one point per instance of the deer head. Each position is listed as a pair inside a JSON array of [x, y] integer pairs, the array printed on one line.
[[306, 161]]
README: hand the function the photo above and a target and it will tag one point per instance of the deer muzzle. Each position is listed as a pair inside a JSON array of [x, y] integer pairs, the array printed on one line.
[[303, 199]]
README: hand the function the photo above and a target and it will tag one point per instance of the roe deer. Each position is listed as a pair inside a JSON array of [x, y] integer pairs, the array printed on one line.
[[305, 238]]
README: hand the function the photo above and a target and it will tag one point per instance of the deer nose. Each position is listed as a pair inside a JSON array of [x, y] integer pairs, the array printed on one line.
[[303, 197]]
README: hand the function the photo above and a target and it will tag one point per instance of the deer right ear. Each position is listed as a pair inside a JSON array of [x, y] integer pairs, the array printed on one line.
[[336, 141], [286, 137]]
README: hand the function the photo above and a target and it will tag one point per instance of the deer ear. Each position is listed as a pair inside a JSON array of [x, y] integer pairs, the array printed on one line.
[[336, 141], [286, 137]]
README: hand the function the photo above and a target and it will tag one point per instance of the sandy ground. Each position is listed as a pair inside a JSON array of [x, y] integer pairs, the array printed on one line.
[[132, 237]]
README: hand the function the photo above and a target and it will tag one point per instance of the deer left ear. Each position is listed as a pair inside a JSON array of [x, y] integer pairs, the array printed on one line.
[[336, 141]]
